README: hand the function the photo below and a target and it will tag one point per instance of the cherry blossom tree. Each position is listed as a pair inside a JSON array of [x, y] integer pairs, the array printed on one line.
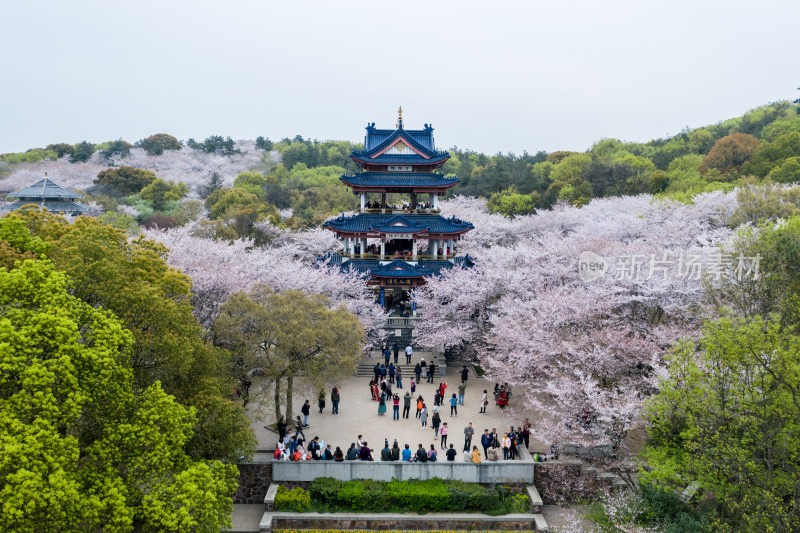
[[219, 269], [584, 353]]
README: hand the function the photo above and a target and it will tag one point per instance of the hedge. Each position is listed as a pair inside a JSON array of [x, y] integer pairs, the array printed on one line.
[[419, 496]]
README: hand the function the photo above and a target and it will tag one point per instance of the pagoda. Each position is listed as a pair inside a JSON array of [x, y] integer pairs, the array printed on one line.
[[49, 195], [398, 237]]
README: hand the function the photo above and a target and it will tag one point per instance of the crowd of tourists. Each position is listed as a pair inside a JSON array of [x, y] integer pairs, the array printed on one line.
[[385, 389]]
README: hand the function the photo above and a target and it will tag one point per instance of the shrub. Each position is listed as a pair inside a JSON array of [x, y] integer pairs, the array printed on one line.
[[352, 495], [428, 495], [326, 490], [297, 500]]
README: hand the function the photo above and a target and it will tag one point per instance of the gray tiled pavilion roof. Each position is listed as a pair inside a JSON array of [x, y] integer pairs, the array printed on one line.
[[44, 189]]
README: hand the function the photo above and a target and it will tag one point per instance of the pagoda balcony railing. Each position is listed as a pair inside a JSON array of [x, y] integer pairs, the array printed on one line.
[[401, 321], [392, 257], [391, 211]]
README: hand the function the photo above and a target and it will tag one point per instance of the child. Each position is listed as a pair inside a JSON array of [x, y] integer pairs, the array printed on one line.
[[413, 386]]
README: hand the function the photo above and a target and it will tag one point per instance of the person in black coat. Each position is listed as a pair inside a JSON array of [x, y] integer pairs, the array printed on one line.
[[422, 455]]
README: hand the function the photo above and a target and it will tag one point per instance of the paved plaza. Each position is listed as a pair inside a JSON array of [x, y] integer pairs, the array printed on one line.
[[358, 415]]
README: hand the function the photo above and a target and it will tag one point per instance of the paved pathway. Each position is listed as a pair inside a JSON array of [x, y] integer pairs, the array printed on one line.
[[358, 414]]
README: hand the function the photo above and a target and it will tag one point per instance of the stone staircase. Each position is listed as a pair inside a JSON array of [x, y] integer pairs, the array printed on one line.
[[365, 367]]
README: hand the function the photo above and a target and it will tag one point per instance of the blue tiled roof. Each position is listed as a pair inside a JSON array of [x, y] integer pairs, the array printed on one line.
[[395, 159], [44, 189], [365, 223], [415, 139], [399, 268], [373, 267], [376, 137], [395, 179]]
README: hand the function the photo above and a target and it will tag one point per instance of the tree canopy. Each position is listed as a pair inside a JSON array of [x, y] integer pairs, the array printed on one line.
[[131, 279], [82, 449]]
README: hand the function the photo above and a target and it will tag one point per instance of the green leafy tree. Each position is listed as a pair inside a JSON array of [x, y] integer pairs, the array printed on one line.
[[287, 334], [730, 153], [728, 418], [160, 192], [510, 203], [263, 143], [158, 143], [117, 148], [61, 149], [82, 450], [215, 183], [131, 279], [126, 180], [773, 154], [216, 144], [253, 182], [81, 152]]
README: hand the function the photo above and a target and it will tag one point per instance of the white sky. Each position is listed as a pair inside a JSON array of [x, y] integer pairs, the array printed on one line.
[[490, 76]]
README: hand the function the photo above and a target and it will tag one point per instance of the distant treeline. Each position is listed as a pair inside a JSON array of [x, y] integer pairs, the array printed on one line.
[[763, 143]]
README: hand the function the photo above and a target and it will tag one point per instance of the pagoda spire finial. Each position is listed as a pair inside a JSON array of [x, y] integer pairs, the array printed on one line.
[[400, 117]]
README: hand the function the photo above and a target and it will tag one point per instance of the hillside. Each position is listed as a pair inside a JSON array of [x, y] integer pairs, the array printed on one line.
[[295, 181]]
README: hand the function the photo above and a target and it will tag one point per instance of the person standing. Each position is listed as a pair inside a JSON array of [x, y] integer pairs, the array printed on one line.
[[396, 407], [526, 432], [306, 410], [298, 428], [418, 371], [444, 432], [461, 390], [281, 429], [419, 405], [423, 415], [335, 401], [321, 400], [435, 421], [406, 404], [431, 372], [413, 386], [453, 406], [464, 374], [391, 373], [484, 401], [486, 442], [409, 353], [506, 446], [468, 433], [396, 352], [387, 354], [398, 377], [377, 371], [382, 405]]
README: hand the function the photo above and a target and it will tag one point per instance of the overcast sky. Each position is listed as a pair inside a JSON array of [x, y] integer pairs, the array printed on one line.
[[490, 76]]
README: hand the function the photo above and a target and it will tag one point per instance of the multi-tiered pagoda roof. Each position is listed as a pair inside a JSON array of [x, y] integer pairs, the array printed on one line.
[[398, 162]]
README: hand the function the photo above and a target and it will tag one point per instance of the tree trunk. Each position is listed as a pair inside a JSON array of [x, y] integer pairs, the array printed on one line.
[[278, 401], [289, 387]]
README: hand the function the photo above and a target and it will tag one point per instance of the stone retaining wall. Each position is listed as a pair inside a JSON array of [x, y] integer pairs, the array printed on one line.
[[401, 522], [507, 472], [568, 482], [254, 480]]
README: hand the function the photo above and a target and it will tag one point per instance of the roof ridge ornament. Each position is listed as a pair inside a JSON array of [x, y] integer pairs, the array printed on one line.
[[400, 118]]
